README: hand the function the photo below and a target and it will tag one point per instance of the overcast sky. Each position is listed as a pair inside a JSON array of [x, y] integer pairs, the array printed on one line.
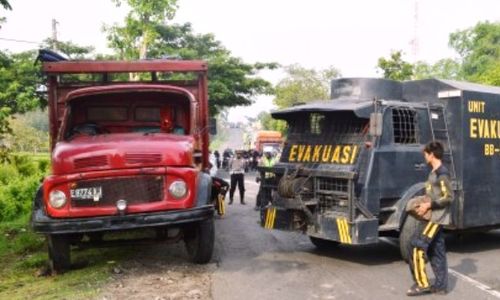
[[349, 35]]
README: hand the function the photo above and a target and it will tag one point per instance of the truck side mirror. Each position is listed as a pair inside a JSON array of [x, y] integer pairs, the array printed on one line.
[[212, 126], [376, 124]]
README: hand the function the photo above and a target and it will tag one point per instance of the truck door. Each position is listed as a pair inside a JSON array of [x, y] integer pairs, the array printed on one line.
[[400, 162]]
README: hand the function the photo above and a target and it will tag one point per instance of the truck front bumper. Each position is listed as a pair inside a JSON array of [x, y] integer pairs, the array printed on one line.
[[328, 227], [42, 223]]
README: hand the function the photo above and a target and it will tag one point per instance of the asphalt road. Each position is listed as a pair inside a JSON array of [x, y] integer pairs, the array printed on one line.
[[254, 263]]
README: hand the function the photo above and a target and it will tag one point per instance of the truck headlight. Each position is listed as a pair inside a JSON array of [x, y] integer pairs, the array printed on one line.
[[178, 189], [57, 199]]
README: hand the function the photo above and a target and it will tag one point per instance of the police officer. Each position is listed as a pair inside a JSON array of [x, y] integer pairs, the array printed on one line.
[[429, 244], [237, 170], [264, 194]]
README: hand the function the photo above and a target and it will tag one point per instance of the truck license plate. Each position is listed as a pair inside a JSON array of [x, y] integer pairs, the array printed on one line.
[[94, 193]]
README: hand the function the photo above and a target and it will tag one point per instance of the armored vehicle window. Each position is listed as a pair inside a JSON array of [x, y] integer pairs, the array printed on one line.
[[334, 127], [405, 126], [317, 123]]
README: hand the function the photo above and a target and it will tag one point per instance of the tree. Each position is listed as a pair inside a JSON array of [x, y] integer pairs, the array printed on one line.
[[133, 40], [232, 82], [444, 69], [19, 83], [395, 67], [5, 4], [304, 85], [72, 51], [479, 51], [268, 123]]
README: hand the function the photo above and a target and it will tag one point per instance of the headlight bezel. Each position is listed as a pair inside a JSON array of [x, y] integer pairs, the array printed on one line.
[[57, 199], [178, 189]]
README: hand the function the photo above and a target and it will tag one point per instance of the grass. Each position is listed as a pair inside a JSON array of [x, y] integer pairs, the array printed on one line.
[[23, 254]]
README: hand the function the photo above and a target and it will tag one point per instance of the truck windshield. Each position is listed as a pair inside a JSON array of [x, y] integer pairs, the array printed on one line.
[[128, 113]]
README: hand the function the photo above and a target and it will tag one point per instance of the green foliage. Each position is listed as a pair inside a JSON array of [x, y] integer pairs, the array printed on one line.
[[304, 85], [479, 50], [26, 138], [443, 69], [268, 123], [19, 81], [5, 4], [231, 82], [133, 40], [72, 50], [19, 182], [395, 67]]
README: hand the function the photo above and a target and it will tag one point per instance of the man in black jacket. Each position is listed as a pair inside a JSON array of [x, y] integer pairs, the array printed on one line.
[[429, 244]]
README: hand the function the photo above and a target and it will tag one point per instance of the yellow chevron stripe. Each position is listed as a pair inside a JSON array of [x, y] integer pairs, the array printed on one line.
[[273, 218], [270, 218], [339, 228], [427, 228], [423, 274], [348, 235], [266, 220], [415, 268], [432, 232], [444, 190]]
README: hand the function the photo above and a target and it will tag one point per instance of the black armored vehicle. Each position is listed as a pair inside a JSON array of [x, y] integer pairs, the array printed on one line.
[[351, 163]]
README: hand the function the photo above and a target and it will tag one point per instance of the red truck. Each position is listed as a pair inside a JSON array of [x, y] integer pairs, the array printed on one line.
[[126, 154]]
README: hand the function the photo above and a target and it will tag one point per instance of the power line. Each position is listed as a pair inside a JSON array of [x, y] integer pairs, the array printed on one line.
[[19, 41]]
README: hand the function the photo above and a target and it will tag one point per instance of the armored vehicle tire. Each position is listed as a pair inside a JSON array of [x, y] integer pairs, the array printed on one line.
[[199, 239], [409, 228], [323, 244], [59, 252]]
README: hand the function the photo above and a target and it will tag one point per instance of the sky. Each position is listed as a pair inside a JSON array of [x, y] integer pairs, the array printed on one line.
[[350, 35]]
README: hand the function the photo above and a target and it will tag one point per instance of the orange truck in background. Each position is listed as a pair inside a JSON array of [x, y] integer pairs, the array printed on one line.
[[268, 139]]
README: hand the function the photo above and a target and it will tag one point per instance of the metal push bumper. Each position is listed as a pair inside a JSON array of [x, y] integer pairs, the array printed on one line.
[[42, 223], [335, 228]]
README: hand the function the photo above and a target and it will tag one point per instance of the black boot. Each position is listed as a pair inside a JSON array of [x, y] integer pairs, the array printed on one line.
[[242, 201], [230, 201]]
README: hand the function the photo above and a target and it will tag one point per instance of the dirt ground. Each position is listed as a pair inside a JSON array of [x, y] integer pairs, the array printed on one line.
[[159, 272]]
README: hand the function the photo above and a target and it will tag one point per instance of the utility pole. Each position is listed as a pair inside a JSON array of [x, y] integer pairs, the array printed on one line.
[[415, 41], [54, 34]]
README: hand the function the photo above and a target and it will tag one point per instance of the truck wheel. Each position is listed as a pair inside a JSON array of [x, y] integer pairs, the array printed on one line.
[[323, 244], [409, 228], [199, 240], [59, 253]]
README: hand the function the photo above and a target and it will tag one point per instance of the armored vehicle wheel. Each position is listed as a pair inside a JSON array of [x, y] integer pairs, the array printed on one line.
[[199, 240], [409, 228], [59, 252], [323, 244]]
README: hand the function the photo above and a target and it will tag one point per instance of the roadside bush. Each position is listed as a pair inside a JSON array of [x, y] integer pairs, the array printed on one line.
[[19, 182]]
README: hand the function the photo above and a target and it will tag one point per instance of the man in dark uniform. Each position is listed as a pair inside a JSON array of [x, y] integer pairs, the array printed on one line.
[[237, 170], [429, 244]]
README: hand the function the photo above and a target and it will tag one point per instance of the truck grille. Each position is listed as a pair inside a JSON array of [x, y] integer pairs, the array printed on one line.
[[139, 189], [331, 184], [332, 194], [89, 162]]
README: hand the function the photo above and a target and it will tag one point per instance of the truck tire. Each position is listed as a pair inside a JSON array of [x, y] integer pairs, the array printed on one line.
[[199, 241], [59, 253], [323, 244], [409, 228]]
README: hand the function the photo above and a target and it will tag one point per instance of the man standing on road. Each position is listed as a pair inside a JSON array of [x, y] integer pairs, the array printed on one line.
[[264, 195], [429, 244], [237, 170]]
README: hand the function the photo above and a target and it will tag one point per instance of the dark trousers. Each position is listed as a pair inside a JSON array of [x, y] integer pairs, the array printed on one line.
[[240, 180], [429, 245], [264, 196]]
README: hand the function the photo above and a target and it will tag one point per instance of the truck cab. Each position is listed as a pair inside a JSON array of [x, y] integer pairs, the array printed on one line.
[[126, 154]]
